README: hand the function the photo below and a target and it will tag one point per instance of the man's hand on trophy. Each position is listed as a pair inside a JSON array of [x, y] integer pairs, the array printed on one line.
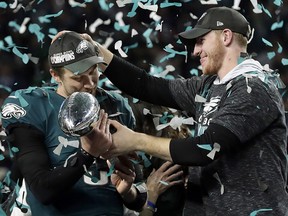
[[125, 140], [99, 139]]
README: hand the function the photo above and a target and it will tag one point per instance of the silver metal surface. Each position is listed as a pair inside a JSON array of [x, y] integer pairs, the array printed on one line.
[[77, 113]]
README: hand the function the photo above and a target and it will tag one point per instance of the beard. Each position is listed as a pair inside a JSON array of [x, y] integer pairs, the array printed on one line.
[[214, 59]]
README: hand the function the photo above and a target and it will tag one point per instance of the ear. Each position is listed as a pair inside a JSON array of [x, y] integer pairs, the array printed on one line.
[[55, 75], [227, 37]]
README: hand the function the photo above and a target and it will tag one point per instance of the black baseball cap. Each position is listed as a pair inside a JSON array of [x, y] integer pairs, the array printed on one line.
[[74, 53], [217, 18]]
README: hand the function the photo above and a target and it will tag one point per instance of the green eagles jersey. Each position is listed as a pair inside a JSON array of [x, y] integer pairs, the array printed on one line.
[[39, 107]]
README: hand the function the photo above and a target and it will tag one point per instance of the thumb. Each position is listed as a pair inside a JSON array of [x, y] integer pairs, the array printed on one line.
[[115, 123]]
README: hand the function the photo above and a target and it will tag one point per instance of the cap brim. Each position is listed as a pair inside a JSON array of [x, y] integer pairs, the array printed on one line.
[[188, 37], [84, 64]]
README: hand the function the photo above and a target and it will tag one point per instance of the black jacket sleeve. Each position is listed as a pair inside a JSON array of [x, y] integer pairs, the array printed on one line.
[[192, 151], [139, 84], [44, 181]]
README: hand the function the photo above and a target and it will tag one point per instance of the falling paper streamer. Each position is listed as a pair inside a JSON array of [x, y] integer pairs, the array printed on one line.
[[284, 61], [277, 25], [133, 33], [98, 22], [268, 43], [280, 48], [159, 26], [216, 148], [169, 68], [205, 146], [248, 76], [176, 123], [3, 5], [93, 26], [271, 55], [200, 99], [122, 3], [14, 25], [118, 47], [169, 49], [254, 213], [278, 2], [266, 11], [153, 8], [73, 3], [155, 16], [35, 60], [146, 34], [147, 111], [170, 4], [13, 5], [193, 16], [216, 176], [204, 2], [23, 27], [46, 18], [35, 28], [24, 56], [63, 142]]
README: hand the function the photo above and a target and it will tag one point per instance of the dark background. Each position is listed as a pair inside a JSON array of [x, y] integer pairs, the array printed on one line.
[[16, 74]]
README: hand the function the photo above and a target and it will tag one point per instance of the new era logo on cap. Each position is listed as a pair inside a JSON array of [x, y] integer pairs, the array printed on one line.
[[217, 18], [74, 53], [219, 23]]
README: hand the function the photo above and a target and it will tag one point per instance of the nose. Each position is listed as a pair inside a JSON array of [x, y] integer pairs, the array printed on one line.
[[88, 81], [197, 50]]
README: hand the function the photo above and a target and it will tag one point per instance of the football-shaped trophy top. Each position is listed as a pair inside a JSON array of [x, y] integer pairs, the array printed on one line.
[[77, 113]]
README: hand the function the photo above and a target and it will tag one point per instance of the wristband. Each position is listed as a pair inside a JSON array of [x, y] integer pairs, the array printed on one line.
[[86, 154], [151, 206]]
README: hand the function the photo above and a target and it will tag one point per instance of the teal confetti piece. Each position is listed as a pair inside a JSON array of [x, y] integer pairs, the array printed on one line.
[[284, 61], [271, 55], [124, 28], [14, 149], [14, 25], [111, 170], [278, 2], [254, 213], [146, 161], [170, 4], [135, 100], [132, 13], [266, 11], [277, 25], [146, 34], [268, 43], [9, 41], [172, 54], [25, 57], [104, 6], [3, 5], [194, 72], [205, 146], [35, 28], [280, 48], [46, 18], [2, 47], [2, 157]]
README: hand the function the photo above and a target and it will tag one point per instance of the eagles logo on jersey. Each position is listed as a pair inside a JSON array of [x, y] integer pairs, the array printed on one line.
[[12, 110]]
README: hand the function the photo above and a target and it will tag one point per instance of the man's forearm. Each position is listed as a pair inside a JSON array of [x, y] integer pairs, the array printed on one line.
[[155, 146]]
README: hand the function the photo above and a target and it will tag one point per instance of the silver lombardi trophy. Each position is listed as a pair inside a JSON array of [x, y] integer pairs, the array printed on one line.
[[77, 113]]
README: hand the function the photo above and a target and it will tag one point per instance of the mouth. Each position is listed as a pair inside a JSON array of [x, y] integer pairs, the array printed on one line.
[[202, 60]]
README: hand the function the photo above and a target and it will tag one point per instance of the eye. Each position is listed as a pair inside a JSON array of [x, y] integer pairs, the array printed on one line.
[[200, 40]]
